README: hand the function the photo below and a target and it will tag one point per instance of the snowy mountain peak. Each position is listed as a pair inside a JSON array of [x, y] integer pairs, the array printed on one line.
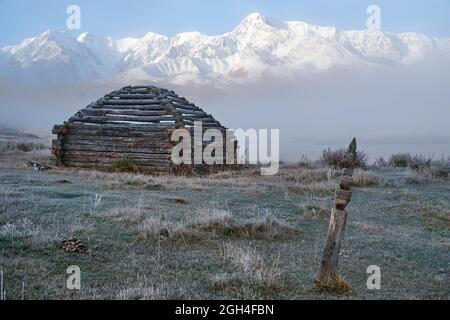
[[151, 36], [257, 46], [256, 22], [254, 18], [88, 37]]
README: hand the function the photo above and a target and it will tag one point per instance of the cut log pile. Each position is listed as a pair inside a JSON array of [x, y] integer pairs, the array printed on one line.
[[136, 122]]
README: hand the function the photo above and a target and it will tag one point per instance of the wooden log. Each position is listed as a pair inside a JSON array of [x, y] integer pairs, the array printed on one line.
[[204, 119], [139, 89], [328, 267], [117, 143], [161, 127], [129, 101], [98, 112], [185, 107], [347, 162], [346, 182], [205, 126], [89, 139], [342, 199], [330, 257], [193, 113], [136, 161], [133, 96], [149, 107], [123, 127], [98, 154], [120, 118], [127, 112], [142, 143], [152, 88], [118, 149], [93, 134], [107, 167], [348, 172]]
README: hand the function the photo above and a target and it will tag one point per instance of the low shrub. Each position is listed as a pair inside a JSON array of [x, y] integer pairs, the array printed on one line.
[[124, 164], [25, 147], [405, 160], [401, 160], [381, 162], [13, 146], [335, 158], [305, 161]]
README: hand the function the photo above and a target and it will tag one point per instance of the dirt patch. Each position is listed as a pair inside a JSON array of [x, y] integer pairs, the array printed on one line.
[[178, 201]]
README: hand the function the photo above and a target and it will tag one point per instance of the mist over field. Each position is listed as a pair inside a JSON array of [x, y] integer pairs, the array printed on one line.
[[389, 110]]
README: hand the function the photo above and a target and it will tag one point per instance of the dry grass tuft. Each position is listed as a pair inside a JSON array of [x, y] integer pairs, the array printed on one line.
[[139, 293], [211, 219], [79, 226], [306, 175], [443, 215], [25, 229], [135, 183], [364, 179], [338, 285], [140, 290], [427, 174], [251, 276], [264, 228], [436, 217], [417, 177], [153, 228], [315, 211], [314, 187], [367, 228], [220, 221], [124, 214]]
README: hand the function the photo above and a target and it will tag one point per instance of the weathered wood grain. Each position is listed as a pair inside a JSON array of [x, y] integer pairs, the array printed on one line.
[[136, 121], [328, 267], [330, 257], [112, 148]]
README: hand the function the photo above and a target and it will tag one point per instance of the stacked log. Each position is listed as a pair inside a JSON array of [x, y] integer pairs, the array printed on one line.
[[136, 122], [328, 267]]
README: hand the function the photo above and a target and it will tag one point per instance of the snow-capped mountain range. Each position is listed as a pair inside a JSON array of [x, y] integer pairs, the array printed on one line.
[[257, 47]]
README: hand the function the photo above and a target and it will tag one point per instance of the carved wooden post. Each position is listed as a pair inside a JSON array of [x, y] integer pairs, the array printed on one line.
[[338, 219]]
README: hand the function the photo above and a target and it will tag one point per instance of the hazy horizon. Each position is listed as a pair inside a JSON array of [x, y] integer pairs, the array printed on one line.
[[390, 110]]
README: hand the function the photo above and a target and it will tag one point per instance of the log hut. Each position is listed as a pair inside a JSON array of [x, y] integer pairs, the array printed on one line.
[[134, 122]]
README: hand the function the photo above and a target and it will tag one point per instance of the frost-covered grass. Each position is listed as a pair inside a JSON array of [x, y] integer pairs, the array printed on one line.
[[228, 235]]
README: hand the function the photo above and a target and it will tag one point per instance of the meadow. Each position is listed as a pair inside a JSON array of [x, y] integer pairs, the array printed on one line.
[[229, 235]]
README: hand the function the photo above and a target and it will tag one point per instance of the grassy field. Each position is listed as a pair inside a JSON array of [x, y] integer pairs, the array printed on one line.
[[229, 235]]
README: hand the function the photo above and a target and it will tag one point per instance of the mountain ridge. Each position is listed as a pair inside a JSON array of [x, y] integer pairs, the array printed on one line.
[[257, 46]]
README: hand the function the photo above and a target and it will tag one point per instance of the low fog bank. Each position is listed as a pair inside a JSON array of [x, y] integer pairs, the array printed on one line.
[[388, 110], [37, 109], [395, 110]]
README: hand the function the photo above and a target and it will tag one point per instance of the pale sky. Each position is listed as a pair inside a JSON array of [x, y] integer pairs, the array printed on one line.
[[25, 18]]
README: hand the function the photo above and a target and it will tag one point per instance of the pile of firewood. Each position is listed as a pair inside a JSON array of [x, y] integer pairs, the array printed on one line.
[[73, 245]]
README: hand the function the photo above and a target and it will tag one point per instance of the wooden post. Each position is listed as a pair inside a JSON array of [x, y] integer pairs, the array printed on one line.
[[338, 219]]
